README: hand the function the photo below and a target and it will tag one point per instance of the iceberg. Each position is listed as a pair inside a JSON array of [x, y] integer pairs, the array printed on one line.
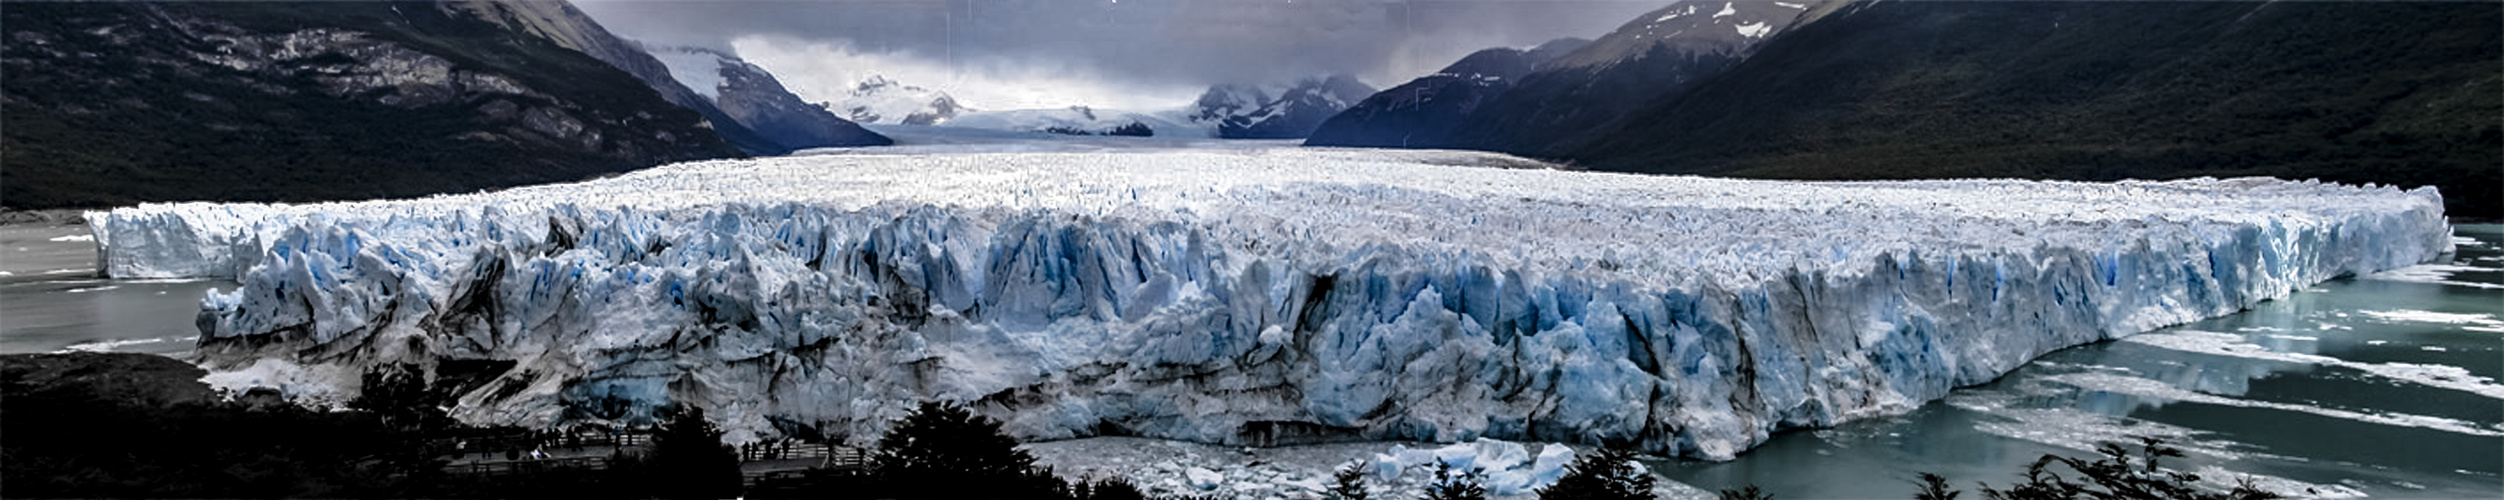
[[1245, 296]]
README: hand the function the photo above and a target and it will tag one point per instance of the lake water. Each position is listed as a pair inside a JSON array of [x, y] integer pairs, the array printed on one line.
[[2381, 386], [52, 299]]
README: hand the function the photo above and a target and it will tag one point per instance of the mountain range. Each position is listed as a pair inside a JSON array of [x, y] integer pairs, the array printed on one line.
[[880, 100], [756, 130], [2395, 93], [112, 103], [1423, 112], [751, 98], [1291, 111]]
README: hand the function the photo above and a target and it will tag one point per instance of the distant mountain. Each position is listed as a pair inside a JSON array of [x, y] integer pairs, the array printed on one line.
[[1075, 120], [752, 97], [2403, 93], [1658, 55], [560, 22], [879, 100], [121, 102], [1287, 112], [1423, 112]]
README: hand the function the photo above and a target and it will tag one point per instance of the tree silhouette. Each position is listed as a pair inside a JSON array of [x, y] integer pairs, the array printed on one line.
[[1605, 474], [689, 450], [1349, 482], [942, 450], [1455, 486]]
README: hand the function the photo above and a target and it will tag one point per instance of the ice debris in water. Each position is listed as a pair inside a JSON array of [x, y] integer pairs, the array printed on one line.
[[1248, 296], [1507, 467]]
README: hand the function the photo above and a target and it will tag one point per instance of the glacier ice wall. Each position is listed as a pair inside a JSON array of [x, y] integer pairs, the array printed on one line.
[[1248, 296]]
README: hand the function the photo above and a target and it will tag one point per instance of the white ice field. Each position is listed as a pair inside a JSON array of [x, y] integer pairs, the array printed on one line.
[[1243, 296]]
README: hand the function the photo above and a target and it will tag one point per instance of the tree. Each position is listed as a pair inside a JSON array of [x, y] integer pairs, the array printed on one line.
[[1111, 488], [942, 450], [1451, 486], [1751, 492], [2119, 475], [1603, 475], [1349, 482], [397, 393], [1934, 487], [688, 450]]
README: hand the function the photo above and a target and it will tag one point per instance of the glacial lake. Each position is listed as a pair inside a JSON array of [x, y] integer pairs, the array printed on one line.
[[2382, 386]]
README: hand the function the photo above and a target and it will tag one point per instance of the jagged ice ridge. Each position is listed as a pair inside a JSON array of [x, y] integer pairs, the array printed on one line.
[[1245, 297]]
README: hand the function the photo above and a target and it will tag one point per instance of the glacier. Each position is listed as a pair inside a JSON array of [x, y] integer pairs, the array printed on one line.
[[1251, 296]]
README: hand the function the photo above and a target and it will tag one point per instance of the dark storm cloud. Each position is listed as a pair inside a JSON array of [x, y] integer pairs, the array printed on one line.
[[1158, 42]]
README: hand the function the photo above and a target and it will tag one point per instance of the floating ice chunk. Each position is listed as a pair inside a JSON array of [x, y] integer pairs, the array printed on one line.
[[1387, 466], [74, 237], [1203, 479], [2157, 389], [2412, 315], [2442, 376], [1551, 464], [2434, 273], [316, 385], [1460, 456]]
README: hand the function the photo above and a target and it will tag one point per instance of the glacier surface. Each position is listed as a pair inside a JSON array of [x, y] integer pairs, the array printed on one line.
[[1247, 296]]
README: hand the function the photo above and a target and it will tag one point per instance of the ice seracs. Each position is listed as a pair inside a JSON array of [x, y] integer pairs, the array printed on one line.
[[1248, 296]]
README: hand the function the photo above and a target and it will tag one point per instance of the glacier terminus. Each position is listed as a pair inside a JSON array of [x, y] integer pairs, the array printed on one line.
[[1249, 296]]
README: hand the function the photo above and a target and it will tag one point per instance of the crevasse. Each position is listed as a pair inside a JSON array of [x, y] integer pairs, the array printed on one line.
[[1244, 297]]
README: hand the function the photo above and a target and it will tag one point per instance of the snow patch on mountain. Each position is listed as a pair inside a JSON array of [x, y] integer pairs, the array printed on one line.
[[700, 71], [1754, 30], [1250, 296]]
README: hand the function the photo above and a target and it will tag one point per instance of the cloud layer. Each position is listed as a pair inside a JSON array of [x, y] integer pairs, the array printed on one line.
[[1135, 54]]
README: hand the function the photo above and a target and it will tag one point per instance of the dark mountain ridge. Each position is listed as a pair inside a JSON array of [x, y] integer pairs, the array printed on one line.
[[752, 97], [115, 103], [2398, 93], [1423, 112], [1576, 91]]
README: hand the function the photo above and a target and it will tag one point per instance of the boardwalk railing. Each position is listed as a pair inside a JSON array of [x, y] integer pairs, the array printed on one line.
[[524, 442], [499, 468], [846, 460]]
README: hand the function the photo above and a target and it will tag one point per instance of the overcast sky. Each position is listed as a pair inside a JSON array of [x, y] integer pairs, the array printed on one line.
[[1131, 54]]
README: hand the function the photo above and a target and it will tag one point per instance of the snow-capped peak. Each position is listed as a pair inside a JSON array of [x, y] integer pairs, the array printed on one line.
[[878, 99], [1276, 111]]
